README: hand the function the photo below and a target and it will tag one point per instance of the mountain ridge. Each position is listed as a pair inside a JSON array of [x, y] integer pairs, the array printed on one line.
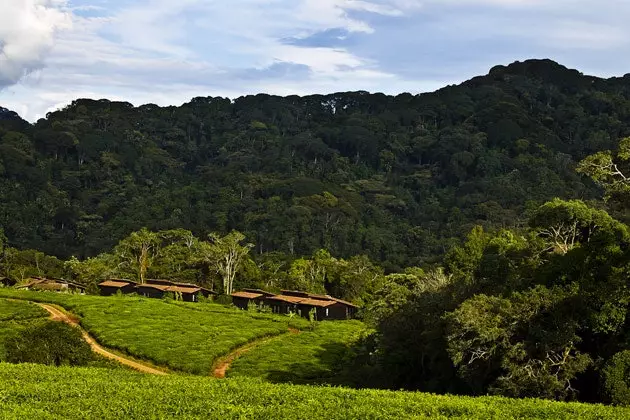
[[399, 178]]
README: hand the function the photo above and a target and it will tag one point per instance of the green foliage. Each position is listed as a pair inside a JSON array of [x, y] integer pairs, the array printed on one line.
[[525, 313], [32, 391], [616, 379], [226, 255], [50, 343], [610, 170], [397, 178]]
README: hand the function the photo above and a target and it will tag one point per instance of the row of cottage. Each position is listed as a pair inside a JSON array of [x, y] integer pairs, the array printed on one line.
[[322, 307], [305, 304], [302, 303]]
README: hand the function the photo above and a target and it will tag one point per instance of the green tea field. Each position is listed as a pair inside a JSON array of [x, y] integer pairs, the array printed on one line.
[[14, 315], [191, 338], [306, 357], [40, 392]]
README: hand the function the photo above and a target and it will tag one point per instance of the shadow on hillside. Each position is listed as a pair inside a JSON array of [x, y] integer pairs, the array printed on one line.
[[325, 367]]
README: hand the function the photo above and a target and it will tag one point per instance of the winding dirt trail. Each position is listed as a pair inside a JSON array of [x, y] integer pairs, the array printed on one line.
[[221, 366], [57, 315]]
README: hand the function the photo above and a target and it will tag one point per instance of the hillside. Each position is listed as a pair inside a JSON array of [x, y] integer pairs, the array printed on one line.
[[192, 338], [397, 178]]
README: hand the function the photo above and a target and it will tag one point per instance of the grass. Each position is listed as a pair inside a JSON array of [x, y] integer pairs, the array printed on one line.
[[41, 392], [183, 337], [307, 357]]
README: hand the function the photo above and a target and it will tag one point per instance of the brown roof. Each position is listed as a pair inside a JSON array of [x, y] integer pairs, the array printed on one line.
[[305, 295], [344, 302], [246, 295], [52, 284], [294, 293], [262, 292], [31, 282], [183, 289], [155, 286], [290, 299], [318, 302], [114, 283]]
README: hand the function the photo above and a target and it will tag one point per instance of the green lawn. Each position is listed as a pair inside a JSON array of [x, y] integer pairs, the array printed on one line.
[[184, 337], [41, 392], [307, 357]]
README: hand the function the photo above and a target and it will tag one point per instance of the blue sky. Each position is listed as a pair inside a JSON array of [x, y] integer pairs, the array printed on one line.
[[167, 51]]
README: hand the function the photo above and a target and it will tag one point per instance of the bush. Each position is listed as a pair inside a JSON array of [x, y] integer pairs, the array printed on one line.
[[49, 343], [616, 379], [224, 299]]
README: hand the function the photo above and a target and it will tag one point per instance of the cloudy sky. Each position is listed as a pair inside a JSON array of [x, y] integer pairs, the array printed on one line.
[[168, 51]]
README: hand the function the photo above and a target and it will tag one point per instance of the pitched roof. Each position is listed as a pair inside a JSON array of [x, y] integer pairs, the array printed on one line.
[[289, 299], [161, 287], [294, 293], [344, 302], [246, 295], [183, 289], [318, 302], [316, 296], [114, 283], [262, 292], [51, 283]]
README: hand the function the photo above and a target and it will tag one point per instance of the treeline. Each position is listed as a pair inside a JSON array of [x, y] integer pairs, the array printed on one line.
[[542, 311], [400, 179], [221, 263]]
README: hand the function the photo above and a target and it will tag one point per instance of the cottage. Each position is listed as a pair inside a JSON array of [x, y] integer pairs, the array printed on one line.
[[188, 294], [188, 291], [113, 286], [325, 306], [243, 298], [283, 304], [52, 285], [156, 291]]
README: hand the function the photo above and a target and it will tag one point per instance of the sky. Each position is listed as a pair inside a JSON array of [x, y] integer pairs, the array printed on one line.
[[168, 51]]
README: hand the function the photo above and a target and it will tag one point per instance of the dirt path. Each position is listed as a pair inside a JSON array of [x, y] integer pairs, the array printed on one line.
[[57, 315], [223, 364]]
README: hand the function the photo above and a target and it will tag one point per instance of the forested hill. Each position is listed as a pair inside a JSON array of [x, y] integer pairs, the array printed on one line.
[[399, 178]]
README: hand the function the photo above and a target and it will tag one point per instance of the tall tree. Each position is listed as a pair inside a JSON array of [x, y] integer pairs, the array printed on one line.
[[226, 255], [138, 251]]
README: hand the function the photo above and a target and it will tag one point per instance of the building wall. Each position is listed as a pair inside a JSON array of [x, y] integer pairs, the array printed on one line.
[[110, 291]]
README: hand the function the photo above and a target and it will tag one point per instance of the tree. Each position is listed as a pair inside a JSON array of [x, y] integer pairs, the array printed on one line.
[[138, 251], [310, 274], [566, 224], [226, 255], [611, 171]]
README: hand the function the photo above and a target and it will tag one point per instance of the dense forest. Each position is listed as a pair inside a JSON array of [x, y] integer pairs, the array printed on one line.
[[399, 178], [482, 227]]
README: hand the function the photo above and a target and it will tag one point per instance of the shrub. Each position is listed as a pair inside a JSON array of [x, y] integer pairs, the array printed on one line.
[[616, 378], [49, 343], [224, 299]]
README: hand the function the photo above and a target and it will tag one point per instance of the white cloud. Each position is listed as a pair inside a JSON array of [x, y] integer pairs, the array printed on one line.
[[587, 35], [27, 31], [166, 51]]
